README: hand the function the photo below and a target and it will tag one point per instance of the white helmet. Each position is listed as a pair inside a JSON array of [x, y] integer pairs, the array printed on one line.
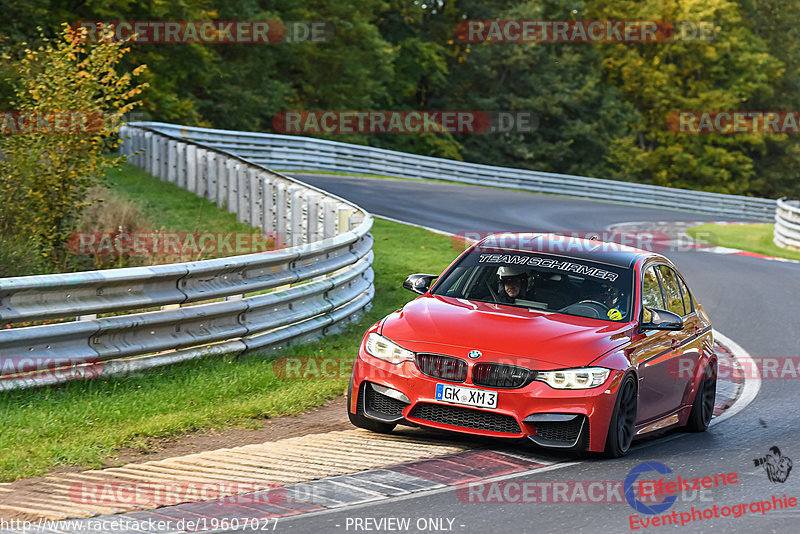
[[507, 271]]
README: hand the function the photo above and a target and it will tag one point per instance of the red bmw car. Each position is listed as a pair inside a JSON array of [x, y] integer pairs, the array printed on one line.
[[571, 343]]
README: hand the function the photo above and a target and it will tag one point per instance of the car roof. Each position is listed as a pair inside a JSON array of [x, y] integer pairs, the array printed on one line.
[[606, 252]]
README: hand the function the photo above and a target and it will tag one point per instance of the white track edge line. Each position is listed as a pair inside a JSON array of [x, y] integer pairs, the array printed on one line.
[[752, 384]]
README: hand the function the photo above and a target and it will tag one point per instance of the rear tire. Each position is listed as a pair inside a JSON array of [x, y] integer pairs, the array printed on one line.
[[703, 405], [361, 421], [621, 428]]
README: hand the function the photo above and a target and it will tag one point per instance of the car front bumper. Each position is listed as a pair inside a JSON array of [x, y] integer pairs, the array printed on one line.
[[547, 416]]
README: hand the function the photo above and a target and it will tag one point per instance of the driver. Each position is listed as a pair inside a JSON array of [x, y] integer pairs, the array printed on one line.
[[513, 283], [608, 295]]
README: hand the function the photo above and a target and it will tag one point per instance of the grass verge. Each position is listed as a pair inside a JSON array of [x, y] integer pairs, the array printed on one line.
[[84, 423], [168, 206], [750, 237]]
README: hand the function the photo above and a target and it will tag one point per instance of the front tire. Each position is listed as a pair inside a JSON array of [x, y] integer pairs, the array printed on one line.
[[621, 428], [704, 399], [361, 421]]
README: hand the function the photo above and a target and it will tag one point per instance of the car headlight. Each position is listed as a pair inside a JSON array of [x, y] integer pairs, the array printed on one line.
[[583, 378], [387, 350]]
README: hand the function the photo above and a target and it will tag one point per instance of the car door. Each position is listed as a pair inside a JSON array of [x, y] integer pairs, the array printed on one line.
[[685, 355], [687, 343], [656, 389]]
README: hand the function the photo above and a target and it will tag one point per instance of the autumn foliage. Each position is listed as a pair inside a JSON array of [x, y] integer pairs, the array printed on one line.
[[47, 170]]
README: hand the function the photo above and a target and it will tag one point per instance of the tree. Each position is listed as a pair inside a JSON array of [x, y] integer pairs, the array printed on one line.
[[687, 75], [579, 115], [69, 101], [775, 164]]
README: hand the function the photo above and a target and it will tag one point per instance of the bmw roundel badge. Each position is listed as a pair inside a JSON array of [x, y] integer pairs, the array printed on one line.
[[474, 354]]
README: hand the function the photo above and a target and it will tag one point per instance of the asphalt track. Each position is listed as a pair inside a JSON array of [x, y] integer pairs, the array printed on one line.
[[753, 301]]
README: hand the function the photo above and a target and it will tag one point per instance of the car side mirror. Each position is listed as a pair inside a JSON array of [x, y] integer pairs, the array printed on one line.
[[663, 320], [419, 283]]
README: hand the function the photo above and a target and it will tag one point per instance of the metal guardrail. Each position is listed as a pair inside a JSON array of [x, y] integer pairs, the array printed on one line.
[[308, 154], [787, 224], [221, 306]]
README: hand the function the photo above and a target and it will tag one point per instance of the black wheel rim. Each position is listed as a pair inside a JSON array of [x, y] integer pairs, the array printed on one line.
[[626, 418], [708, 390]]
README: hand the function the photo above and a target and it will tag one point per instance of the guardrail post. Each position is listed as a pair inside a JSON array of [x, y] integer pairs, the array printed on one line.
[[172, 162], [343, 223], [163, 151], [122, 148], [296, 220], [254, 183], [222, 180], [312, 218], [144, 149], [180, 167], [267, 206], [132, 146], [243, 192], [281, 209], [328, 218], [230, 184], [191, 168], [135, 147], [155, 158], [211, 176], [201, 183]]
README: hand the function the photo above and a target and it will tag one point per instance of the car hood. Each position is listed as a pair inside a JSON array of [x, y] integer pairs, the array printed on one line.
[[455, 326]]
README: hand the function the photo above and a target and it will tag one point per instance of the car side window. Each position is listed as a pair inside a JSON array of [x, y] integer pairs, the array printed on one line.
[[457, 281], [651, 293], [672, 290], [688, 304]]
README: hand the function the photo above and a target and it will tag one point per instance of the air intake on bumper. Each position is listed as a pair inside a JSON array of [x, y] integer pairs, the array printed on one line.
[[557, 430]]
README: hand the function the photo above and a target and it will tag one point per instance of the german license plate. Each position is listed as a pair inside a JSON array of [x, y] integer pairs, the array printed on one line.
[[467, 396]]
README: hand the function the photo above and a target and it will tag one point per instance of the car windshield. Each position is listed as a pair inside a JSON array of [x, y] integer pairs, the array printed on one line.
[[539, 281]]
